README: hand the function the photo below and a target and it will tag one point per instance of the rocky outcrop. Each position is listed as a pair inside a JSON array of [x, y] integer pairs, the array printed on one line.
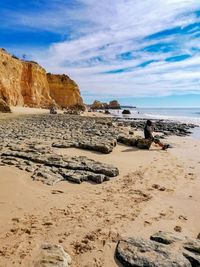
[[30, 143], [99, 105], [64, 91], [114, 104], [25, 83]]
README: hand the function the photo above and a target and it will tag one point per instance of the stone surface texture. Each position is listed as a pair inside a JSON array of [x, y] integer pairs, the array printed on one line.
[[163, 250], [52, 256]]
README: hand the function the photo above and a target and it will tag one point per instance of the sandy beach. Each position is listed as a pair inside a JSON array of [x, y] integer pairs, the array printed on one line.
[[155, 190]]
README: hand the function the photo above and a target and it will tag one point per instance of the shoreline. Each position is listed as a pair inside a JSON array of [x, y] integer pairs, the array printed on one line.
[[155, 190]]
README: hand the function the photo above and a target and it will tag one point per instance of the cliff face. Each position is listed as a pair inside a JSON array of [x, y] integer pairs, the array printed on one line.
[[64, 91], [26, 83]]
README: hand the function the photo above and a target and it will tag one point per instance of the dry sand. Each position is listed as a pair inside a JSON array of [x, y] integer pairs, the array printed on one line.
[[156, 190]]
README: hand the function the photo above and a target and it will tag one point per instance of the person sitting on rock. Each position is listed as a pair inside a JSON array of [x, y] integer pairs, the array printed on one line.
[[148, 135]]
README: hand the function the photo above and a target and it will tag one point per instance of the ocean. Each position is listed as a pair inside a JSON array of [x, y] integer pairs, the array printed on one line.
[[185, 115]]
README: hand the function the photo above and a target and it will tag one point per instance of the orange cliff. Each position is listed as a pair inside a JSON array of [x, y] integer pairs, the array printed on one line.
[[64, 91], [25, 83]]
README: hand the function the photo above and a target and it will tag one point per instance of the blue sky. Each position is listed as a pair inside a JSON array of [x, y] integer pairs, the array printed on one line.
[[144, 53]]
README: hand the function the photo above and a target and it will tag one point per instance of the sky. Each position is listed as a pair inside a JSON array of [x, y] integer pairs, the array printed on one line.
[[141, 52]]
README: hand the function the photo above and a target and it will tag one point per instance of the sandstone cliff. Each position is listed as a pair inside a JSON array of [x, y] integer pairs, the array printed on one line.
[[25, 83], [64, 91]]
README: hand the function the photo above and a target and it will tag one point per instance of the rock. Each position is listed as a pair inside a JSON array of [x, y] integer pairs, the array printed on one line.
[[46, 176], [143, 143], [99, 147], [4, 108], [65, 91], [165, 249], [165, 238], [193, 258], [25, 83], [114, 104], [144, 253], [52, 256], [127, 140], [98, 105], [126, 111], [54, 168], [198, 236], [192, 245]]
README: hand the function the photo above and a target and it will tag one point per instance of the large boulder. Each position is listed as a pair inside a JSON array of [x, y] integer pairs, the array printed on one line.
[[4, 107]]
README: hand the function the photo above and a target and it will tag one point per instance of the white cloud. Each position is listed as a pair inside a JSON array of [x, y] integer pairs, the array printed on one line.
[[101, 30]]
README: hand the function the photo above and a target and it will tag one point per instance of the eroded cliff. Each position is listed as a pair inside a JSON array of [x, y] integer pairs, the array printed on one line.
[[64, 91], [26, 83]]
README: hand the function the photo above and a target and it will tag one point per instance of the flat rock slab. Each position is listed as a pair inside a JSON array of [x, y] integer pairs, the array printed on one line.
[[50, 168], [52, 256], [163, 250], [142, 253]]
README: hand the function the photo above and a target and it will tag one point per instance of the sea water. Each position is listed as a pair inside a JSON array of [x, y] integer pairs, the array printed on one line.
[[185, 115]]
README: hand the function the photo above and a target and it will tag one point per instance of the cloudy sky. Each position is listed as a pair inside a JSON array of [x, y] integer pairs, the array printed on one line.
[[142, 52]]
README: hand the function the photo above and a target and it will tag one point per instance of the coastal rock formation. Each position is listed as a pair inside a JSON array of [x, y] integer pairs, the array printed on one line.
[[64, 91], [164, 249], [25, 83], [114, 104], [99, 105], [31, 144]]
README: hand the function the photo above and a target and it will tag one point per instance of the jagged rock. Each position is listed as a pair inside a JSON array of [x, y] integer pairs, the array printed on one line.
[[134, 252], [52, 256]]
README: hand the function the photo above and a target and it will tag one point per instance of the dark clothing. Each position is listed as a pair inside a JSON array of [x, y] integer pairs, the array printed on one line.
[[148, 132]]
